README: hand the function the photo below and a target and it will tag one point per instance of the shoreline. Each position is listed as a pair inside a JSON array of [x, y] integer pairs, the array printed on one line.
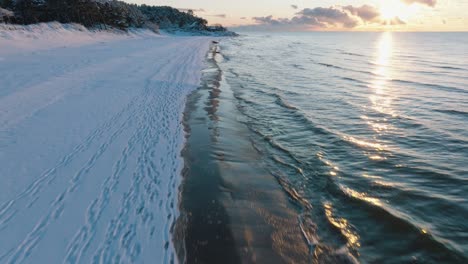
[[232, 211], [184, 226]]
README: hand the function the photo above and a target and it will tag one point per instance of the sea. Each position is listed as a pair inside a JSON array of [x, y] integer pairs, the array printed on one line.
[[329, 147]]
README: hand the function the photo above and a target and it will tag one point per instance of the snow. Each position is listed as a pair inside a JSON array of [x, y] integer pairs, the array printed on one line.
[[7, 13], [35, 37], [90, 142]]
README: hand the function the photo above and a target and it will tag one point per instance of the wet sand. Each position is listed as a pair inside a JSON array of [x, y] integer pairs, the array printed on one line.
[[232, 210]]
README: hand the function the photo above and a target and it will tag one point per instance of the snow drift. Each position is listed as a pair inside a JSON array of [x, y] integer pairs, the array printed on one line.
[[20, 38], [90, 142]]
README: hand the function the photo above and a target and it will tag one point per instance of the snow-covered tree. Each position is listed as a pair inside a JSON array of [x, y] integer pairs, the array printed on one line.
[[95, 13]]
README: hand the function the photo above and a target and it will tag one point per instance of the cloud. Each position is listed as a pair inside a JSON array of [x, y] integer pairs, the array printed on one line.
[[365, 12], [326, 17], [188, 9], [431, 3], [294, 6], [334, 17], [219, 15], [394, 22], [269, 20]]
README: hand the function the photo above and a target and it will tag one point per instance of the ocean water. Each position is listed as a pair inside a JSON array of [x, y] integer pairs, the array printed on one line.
[[368, 131]]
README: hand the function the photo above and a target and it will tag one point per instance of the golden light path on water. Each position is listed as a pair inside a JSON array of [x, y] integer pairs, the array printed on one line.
[[343, 225], [380, 98], [381, 93]]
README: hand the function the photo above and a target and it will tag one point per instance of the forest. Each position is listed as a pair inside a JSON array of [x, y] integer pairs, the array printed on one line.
[[101, 14]]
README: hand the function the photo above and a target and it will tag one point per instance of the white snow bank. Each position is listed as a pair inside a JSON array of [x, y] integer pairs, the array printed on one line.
[[90, 143], [7, 13], [20, 38]]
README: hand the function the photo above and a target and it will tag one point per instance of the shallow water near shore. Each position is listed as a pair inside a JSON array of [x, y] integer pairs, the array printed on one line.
[[233, 210], [327, 147]]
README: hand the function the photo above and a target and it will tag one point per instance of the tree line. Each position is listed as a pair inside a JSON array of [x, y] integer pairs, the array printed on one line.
[[101, 13]]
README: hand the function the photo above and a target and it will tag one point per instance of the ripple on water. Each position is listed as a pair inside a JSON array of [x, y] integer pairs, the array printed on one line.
[[377, 149]]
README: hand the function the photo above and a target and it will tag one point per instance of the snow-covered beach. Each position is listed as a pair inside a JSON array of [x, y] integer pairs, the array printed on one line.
[[90, 142]]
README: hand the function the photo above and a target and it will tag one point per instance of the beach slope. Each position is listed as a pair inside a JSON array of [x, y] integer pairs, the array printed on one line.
[[90, 142]]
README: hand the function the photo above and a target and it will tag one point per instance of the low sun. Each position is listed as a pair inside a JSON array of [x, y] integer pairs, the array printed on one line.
[[391, 9]]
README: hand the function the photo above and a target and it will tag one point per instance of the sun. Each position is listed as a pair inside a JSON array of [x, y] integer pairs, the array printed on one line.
[[391, 9]]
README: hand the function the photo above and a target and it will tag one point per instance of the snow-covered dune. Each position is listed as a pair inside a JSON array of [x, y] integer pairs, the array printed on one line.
[[19, 38], [90, 141]]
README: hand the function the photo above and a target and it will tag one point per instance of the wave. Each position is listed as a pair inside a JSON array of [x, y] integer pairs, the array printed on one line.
[[353, 80], [328, 134], [330, 65], [321, 252], [297, 66], [297, 115], [297, 43], [399, 223], [344, 69], [385, 214], [432, 85], [287, 164], [275, 144], [245, 100], [353, 54], [443, 67], [452, 112], [292, 192], [451, 68], [414, 192], [440, 177], [344, 139], [430, 63], [281, 101]]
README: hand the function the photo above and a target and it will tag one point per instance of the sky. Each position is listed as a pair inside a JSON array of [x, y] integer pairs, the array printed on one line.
[[352, 15]]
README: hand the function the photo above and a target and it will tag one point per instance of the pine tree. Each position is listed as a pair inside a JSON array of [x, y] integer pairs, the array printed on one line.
[[7, 4]]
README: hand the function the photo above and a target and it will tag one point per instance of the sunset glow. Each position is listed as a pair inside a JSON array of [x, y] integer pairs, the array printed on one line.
[[395, 9], [398, 15]]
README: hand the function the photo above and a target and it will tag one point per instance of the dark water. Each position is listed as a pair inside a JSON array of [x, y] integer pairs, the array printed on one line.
[[364, 134], [233, 209]]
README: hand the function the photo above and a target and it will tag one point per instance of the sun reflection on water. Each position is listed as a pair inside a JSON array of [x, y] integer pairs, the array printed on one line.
[[362, 196], [381, 97], [376, 157], [333, 168], [366, 144], [343, 225]]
